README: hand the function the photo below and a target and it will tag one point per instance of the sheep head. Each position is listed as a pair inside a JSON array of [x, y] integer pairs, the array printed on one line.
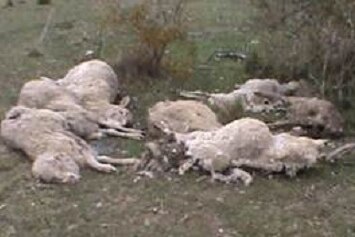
[[116, 115], [318, 116], [56, 168]]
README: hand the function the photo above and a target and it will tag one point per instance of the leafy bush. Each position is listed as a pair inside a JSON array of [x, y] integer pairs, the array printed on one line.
[[155, 25]]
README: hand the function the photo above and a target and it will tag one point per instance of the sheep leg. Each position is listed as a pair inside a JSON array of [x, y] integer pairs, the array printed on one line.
[[221, 178], [96, 165], [186, 166], [113, 132], [199, 95], [239, 174], [261, 165], [128, 130], [118, 126], [126, 161], [235, 175], [95, 136], [216, 176], [341, 151]]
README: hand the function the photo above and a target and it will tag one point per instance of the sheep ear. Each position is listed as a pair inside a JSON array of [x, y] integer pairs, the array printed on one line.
[[125, 101]]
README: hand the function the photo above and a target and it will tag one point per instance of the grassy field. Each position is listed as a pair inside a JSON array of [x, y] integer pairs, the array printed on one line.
[[319, 202]]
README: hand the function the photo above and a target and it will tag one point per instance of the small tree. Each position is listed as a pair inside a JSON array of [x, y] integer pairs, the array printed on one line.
[[155, 25]]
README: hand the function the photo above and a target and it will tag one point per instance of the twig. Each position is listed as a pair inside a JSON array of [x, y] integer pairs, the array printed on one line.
[[284, 125], [46, 27]]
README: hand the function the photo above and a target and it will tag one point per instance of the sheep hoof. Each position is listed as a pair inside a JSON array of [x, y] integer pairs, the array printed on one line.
[[107, 168]]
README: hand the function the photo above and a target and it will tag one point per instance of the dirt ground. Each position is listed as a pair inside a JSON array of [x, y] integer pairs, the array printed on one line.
[[319, 202]]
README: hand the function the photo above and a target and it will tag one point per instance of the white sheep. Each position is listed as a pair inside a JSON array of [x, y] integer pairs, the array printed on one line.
[[300, 88], [243, 143], [256, 96], [96, 85], [310, 116], [92, 81], [267, 96], [181, 116], [57, 154], [49, 94]]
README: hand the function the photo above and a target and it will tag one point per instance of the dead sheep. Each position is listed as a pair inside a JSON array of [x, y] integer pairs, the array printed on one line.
[[57, 154], [315, 117], [244, 143], [92, 80], [48, 94], [255, 97], [181, 116], [311, 117], [96, 85], [300, 88]]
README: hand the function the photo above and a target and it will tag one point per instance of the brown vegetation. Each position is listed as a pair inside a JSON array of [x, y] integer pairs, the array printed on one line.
[[314, 40], [155, 26]]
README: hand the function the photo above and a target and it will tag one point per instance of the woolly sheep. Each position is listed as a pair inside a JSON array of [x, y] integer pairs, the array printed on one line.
[[181, 116], [57, 154], [48, 94], [311, 117], [257, 96], [243, 143], [96, 85]]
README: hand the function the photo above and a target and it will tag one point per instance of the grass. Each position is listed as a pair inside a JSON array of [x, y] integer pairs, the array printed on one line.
[[319, 202]]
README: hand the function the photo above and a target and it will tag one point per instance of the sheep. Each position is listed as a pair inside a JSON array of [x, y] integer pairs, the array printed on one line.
[[311, 117], [300, 88], [242, 143], [316, 117], [96, 85], [57, 154], [256, 97], [49, 94], [91, 81], [181, 116]]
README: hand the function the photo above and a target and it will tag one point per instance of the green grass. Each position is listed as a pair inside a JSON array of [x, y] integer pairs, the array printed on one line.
[[319, 202]]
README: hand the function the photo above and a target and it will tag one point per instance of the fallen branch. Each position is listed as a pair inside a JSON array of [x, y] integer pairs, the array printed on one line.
[[46, 26]]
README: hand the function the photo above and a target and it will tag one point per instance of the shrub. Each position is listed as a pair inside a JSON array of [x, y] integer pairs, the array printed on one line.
[[156, 25], [314, 40]]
